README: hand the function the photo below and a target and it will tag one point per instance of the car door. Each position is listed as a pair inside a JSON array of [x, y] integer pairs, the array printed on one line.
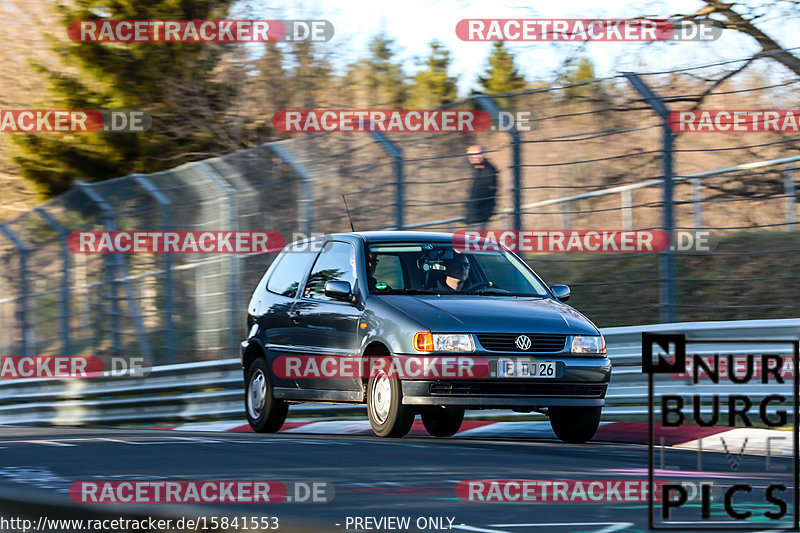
[[273, 302], [325, 327]]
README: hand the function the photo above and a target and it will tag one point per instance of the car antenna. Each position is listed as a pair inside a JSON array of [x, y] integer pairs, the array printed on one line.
[[348, 214]]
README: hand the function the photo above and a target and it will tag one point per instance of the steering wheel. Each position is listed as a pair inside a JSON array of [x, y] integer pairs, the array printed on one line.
[[486, 285], [478, 285]]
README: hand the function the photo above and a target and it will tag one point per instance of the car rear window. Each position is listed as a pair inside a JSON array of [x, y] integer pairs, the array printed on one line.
[[289, 272]]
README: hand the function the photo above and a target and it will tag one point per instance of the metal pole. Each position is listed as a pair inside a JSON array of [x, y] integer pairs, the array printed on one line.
[[668, 289], [166, 222], [566, 219], [667, 274], [516, 147], [305, 202], [65, 266], [790, 190], [397, 155], [489, 105], [697, 203], [627, 210], [25, 327]]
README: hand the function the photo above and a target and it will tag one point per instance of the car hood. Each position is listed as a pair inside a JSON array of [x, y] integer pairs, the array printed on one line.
[[476, 314]]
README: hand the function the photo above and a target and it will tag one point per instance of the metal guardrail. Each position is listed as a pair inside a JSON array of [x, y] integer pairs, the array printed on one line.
[[214, 389]]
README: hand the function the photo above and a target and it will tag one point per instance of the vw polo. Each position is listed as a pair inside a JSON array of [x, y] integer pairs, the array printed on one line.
[[409, 323]]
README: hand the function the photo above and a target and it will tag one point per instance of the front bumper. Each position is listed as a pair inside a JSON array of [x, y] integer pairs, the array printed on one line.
[[582, 382]]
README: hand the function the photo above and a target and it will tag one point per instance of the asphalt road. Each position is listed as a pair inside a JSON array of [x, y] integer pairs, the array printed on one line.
[[411, 477]]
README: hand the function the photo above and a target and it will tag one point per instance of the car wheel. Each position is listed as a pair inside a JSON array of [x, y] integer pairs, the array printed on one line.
[[387, 414], [442, 421], [574, 425], [265, 413]]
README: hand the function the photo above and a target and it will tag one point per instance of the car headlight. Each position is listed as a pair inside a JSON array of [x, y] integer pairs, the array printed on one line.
[[585, 344], [443, 342]]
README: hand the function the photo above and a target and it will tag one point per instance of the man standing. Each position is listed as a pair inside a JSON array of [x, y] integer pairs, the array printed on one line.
[[484, 189]]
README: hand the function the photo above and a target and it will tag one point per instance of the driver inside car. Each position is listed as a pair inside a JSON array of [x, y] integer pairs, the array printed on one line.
[[457, 272]]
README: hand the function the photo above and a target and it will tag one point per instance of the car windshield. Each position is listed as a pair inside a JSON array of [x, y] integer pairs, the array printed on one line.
[[438, 268]]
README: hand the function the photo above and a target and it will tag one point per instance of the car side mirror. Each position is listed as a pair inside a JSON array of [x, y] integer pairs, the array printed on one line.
[[561, 292], [339, 290]]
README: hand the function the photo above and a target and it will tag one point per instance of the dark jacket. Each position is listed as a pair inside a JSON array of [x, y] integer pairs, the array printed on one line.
[[482, 197]]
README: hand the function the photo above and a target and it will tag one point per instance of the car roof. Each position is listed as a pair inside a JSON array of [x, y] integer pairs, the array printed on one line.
[[403, 236], [383, 236]]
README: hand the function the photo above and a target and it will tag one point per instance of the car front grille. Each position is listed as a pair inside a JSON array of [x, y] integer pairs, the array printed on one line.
[[518, 388], [505, 342]]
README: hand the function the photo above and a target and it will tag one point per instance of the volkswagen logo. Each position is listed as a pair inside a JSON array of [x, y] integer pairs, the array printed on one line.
[[523, 342]]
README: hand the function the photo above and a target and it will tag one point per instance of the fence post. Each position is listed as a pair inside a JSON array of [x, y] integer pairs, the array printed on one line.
[[627, 209], [305, 201], [566, 218], [667, 274], [488, 105], [166, 222], [790, 190], [697, 203], [115, 270], [234, 278], [65, 266], [397, 155], [27, 333]]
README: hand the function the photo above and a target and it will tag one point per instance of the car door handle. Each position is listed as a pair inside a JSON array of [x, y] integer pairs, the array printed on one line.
[[295, 316]]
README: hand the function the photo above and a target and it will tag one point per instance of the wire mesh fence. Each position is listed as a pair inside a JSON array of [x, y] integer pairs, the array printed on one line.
[[592, 156]]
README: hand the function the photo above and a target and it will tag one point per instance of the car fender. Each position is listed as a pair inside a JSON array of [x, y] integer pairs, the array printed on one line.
[[390, 326], [252, 339]]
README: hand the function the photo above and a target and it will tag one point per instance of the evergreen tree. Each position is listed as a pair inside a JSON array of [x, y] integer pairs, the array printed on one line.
[[175, 82], [311, 77], [577, 70], [385, 79], [501, 76], [273, 79], [433, 86]]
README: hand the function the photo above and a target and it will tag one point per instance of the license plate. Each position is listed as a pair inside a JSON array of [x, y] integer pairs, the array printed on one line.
[[515, 368]]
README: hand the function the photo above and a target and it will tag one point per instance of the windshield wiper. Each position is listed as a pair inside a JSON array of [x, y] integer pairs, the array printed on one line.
[[405, 291], [491, 292]]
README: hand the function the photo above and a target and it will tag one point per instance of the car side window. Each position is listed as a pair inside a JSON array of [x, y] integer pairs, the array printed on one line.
[[336, 262], [289, 272]]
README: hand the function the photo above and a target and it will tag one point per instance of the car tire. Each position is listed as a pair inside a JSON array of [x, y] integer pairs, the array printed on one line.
[[442, 421], [574, 425], [265, 413], [387, 414]]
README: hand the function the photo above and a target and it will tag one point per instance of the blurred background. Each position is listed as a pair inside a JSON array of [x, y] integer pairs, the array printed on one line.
[[594, 158]]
